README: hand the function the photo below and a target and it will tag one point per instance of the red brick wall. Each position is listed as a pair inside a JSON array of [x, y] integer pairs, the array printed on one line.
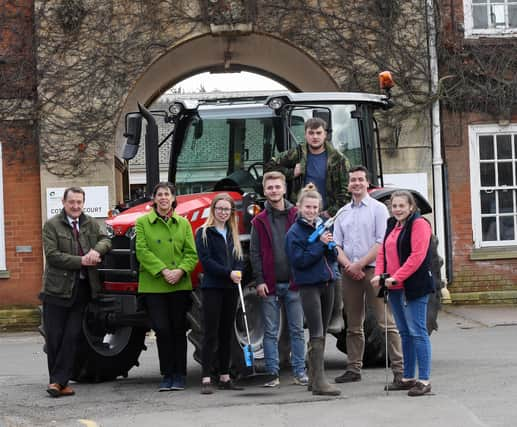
[[17, 73], [20, 162], [469, 275], [22, 214]]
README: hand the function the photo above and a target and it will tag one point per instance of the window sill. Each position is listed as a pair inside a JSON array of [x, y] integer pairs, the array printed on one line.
[[482, 254], [4, 274], [490, 34]]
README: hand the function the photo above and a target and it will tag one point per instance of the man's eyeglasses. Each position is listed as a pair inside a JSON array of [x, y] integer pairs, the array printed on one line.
[[223, 210]]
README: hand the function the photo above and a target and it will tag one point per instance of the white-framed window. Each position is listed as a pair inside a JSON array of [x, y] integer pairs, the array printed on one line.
[[3, 266], [490, 18], [493, 184]]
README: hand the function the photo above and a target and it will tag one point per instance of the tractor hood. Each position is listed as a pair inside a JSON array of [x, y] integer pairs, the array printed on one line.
[[194, 207]]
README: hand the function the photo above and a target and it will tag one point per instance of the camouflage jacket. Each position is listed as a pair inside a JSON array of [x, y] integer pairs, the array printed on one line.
[[336, 179]]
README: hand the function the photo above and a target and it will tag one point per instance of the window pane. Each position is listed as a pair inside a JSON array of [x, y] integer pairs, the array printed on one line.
[[506, 228], [504, 146], [489, 228], [487, 202], [487, 171], [504, 173], [480, 16], [486, 147], [497, 15], [505, 202], [512, 16]]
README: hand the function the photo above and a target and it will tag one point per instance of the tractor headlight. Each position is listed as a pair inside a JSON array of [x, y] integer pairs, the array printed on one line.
[[130, 233], [176, 108], [276, 103], [253, 209], [109, 231]]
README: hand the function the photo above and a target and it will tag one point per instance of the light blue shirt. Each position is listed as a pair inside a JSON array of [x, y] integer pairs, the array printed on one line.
[[360, 227], [222, 232]]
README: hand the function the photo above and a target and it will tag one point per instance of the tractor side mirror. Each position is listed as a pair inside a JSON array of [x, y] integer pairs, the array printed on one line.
[[132, 134]]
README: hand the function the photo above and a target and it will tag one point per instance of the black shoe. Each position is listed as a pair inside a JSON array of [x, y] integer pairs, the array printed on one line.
[[206, 388], [348, 377], [228, 385]]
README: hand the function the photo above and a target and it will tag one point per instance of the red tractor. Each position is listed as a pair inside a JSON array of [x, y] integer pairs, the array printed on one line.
[[214, 146]]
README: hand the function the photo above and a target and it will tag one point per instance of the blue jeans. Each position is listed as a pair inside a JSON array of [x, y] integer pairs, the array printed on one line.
[[411, 319], [271, 306]]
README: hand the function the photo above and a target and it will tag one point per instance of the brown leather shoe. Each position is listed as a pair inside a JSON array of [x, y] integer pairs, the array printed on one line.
[[54, 389], [419, 389], [348, 377], [399, 384], [67, 391]]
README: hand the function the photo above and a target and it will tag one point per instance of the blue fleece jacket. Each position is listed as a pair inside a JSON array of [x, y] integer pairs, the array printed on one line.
[[310, 262]]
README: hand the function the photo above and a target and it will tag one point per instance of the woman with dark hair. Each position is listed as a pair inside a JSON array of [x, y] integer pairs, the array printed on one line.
[[167, 254], [406, 256], [311, 265], [220, 254]]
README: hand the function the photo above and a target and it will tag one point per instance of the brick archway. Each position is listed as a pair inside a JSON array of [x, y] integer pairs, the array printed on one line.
[[255, 52]]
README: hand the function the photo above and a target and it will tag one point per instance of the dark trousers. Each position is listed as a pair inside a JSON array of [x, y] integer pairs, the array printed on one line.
[[168, 314], [317, 303], [219, 307], [63, 331]]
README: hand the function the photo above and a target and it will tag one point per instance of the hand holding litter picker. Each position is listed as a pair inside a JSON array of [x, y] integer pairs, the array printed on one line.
[[248, 351], [325, 226]]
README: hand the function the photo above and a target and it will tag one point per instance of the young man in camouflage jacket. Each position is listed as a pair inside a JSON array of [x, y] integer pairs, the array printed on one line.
[[303, 164]]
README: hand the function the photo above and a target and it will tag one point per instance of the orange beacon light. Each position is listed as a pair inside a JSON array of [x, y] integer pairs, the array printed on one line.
[[386, 80]]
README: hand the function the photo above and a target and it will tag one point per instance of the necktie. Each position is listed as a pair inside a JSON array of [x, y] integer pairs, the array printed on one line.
[[76, 234], [82, 273]]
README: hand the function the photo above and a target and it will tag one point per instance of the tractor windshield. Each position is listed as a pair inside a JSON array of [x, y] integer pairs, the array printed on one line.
[[226, 141], [344, 130], [235, 141]]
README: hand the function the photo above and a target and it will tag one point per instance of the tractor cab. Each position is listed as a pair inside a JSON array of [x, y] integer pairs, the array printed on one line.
[[224, 144]]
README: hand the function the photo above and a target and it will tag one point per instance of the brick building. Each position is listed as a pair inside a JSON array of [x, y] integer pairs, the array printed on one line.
[[74, 131], [479, 125], [20, 206]]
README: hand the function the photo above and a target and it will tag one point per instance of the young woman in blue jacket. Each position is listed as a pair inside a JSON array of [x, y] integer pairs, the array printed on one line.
[[311, 265], [220, 254]]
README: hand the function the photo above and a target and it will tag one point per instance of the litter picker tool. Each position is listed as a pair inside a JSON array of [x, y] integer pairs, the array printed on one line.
[[325, 226], [383, 293], [248, 351]]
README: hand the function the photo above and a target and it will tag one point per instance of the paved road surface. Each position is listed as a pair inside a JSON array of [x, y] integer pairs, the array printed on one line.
[[474, 383]]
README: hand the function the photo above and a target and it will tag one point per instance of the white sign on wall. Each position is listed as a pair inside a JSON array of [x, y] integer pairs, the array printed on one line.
[[96, 202]]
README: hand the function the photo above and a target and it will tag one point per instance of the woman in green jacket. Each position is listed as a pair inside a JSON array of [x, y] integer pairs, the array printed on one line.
[[166, 251]]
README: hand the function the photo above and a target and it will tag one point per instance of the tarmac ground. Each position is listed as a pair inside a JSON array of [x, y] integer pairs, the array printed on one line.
[[474, 382]]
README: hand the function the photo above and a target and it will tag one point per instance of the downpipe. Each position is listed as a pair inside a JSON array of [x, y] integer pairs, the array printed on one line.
[[438, 185]]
